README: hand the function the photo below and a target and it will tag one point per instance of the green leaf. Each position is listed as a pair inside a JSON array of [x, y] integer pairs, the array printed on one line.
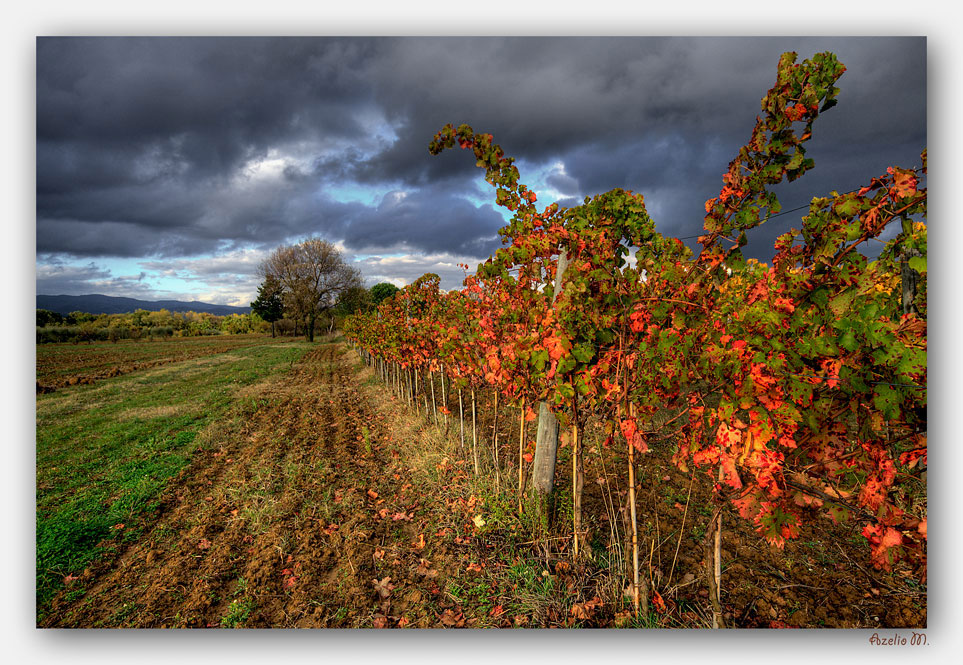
[[887, 400], [583, 352], [821, 297], [847, 208], [848, 340], [853, 230], [841, 302], [917, 263], [566, 365], [566, 390]]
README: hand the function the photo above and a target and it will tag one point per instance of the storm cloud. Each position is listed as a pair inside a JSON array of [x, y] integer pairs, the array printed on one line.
[[167, 149]]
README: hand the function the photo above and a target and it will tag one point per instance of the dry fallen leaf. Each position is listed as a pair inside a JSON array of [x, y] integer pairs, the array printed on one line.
[[424, 568], [587, 609], [383, 587], [452, 619]]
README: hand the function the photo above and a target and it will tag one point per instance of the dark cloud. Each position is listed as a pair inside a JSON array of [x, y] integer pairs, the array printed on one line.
[[175, 147], [426, 221]]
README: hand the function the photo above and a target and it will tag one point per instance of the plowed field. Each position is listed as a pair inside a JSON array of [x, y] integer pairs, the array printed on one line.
[[60, 365], [320, 501]]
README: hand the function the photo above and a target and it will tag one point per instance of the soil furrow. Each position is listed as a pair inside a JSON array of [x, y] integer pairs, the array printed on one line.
[[282, 520]]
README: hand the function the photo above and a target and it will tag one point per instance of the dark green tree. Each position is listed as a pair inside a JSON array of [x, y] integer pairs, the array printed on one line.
[[353, 300], [382, 291], [46, 318], [269, 304]]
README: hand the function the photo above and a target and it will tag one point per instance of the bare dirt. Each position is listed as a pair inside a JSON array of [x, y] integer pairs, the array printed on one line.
[[300, 515], [67, 364], [305, 510]]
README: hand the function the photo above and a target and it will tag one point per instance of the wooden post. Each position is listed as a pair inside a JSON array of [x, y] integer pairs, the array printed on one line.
[[461, 419], [715, 570], [640, 596], [546, 438], [424, 394], [908, 277], [444, 397], [635, 528], [414, 395], [495, 441], [521, 459], [474, 432], [577, 483], [434, 409]]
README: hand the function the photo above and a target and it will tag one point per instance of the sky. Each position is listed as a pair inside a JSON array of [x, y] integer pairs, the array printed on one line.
[[169, 167], [154, 142]]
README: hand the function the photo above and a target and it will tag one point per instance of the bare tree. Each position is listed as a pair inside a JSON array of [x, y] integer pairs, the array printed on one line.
[[313, 274]]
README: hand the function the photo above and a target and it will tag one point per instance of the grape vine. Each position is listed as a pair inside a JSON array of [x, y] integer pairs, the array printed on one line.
[[798, 388]]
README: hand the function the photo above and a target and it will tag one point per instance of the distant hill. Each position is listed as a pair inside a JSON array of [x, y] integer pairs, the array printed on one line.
[[99, 304]]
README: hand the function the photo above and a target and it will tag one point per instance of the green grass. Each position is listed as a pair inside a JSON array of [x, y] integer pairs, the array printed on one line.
[[106, 451], [238, 612]]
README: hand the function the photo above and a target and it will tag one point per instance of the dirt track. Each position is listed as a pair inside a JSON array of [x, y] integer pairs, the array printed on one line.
[[302, 511], [295, 516]]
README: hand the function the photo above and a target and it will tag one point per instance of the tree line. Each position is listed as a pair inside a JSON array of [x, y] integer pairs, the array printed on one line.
[[306, 288], [141, 324]]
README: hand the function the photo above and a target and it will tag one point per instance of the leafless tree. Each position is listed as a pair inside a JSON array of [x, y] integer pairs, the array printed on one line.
[[313, 274]]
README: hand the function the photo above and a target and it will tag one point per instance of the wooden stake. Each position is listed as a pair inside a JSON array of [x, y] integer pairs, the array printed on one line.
[[424, 393], [461, 419], [444, 397], [715, 570], [578, 482], [521, 459], [414, 396], [635, 527], [434, 409], [474, 432], [495, 441]]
